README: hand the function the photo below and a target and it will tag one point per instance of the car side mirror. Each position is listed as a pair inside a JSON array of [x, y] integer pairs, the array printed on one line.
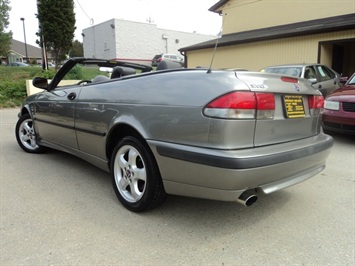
[[312, 81], [41, 83]]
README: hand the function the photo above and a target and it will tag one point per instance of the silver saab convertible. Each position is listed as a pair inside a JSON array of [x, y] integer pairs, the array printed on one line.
[[214, 134]]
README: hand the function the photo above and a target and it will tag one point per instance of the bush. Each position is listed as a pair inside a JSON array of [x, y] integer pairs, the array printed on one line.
[[13, 83], [12, 93], [33, 61], [75, 73]]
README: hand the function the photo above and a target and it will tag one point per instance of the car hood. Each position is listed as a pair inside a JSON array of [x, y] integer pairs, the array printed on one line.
[[344, 93], [345, 90]]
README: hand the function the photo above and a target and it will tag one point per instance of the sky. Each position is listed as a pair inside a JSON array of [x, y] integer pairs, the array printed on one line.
[[179, 15]]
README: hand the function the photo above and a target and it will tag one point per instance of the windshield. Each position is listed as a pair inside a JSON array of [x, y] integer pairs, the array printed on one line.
[[85, 74], [352, 80]]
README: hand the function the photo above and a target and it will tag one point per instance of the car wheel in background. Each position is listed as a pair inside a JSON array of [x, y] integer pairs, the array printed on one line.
[[135, 176]]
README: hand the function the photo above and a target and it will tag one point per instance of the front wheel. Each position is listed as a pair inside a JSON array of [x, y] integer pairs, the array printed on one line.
[[135, 176], [26, 135]]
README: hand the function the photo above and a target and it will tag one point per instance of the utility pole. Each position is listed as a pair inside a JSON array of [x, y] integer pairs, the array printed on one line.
[[24, 33]]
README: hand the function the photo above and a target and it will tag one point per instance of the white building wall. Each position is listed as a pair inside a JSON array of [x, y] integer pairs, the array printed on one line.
[[135, 41], [99, 40]]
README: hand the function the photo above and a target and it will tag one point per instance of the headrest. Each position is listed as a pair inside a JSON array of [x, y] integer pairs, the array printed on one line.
[[166, 64], [119, 71]]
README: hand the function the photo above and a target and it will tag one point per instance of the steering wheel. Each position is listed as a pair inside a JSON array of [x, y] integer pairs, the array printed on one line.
[[83, 81]]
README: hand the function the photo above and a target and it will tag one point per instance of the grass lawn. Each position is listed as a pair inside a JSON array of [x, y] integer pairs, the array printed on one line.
[[13, 81]]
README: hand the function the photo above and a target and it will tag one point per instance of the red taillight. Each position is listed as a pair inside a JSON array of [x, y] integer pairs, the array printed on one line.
[[316, 102], [235, 100], [242, 105], [265, 101], [289, 79]]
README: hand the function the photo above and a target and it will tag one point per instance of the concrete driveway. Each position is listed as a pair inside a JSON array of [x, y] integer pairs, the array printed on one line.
[[59, 210]]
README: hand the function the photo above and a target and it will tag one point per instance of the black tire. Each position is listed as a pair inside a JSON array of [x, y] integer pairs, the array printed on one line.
[[26, 136], [135, 176]]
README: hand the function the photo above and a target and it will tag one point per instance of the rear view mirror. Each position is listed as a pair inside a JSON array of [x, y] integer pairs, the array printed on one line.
[[41, 83]]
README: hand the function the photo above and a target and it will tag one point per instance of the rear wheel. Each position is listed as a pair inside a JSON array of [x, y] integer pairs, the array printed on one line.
[[135, 176], [26, 135]]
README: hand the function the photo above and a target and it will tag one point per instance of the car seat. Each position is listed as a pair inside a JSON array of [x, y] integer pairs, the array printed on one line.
[[100, 78]]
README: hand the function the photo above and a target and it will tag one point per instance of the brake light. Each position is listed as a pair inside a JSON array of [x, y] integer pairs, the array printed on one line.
[[316, 104], [235, 100], [242, 105], [265, 101], [289, 79]]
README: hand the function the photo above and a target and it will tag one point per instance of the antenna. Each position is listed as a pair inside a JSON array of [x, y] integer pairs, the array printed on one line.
[[214, 52], [219, 35]]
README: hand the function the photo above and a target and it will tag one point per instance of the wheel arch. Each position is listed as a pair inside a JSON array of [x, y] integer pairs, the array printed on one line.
[[25, 110], [118, 132]]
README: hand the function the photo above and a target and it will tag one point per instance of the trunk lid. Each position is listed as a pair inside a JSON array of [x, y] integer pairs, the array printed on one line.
[[294, 116]]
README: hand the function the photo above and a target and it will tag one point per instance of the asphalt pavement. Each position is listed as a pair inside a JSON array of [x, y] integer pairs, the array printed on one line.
[[59, 210]]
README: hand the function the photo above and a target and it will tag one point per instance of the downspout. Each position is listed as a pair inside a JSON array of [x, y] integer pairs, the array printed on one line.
[[183, 53]]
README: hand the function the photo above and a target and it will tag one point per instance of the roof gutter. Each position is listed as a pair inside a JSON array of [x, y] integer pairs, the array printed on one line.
[[216, 7]]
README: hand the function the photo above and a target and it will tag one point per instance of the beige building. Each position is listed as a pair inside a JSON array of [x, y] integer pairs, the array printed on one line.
[[19, 52], [259, 33]]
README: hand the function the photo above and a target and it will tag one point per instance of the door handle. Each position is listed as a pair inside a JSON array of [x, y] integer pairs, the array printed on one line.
[[72, 96]]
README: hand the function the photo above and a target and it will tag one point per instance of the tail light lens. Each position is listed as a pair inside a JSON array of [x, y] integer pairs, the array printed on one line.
[[289, 79], [265, 105], [316, 104], [242, 105]]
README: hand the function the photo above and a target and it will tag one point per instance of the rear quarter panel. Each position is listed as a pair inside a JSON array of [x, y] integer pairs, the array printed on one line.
[[160, 106]]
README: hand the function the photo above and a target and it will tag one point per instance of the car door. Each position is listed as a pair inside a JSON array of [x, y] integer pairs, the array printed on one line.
[[326, 80], [55, 116]]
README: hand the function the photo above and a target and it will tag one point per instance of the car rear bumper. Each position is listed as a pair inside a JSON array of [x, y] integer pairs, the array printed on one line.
[[225, 175]]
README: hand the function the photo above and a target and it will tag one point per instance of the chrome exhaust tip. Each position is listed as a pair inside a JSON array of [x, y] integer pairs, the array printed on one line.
[[247, 198]]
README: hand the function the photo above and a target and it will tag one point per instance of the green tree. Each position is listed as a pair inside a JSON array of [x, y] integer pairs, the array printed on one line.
[[77, 49], [57, 27], [5, 37]]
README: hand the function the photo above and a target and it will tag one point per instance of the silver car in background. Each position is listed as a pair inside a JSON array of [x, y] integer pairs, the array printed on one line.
[[213, 134], [321, 77]]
